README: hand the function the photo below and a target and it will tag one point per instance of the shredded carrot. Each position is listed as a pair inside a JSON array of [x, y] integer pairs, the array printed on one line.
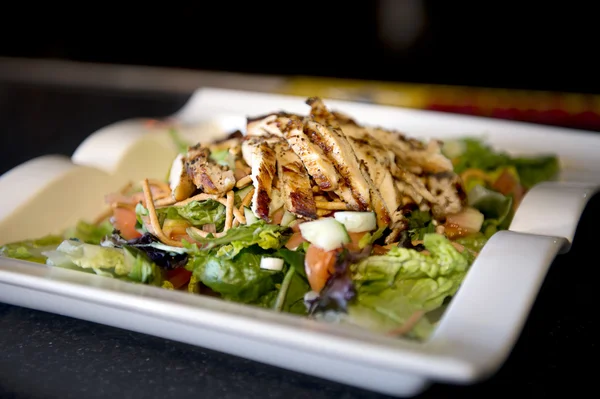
[[332, 206], [154, 218], [244, 181]]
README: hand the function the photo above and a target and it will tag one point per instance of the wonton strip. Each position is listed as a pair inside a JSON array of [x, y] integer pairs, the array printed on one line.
[[409, 324], [244, 181], [198, 197], [333, 206], [323, 212], [229, 210], [164, 201], [199, 232], [103, 216], [248, 198], [239, 216], [154, 218], [160, 184]]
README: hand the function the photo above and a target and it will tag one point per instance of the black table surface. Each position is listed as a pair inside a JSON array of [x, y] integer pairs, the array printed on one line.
[[43, 355]]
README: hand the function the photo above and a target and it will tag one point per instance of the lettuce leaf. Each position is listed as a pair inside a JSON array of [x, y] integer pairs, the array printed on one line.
[[31, 250], [238, 279], [266, 236], [419, 224], [391, 289], [89, 232], [127, 263], [197, 213], [475, 154]]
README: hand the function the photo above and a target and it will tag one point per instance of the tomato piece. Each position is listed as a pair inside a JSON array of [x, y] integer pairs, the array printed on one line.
[[452, 231], [277, 216], [507, 184], [178, 277], [354, 240], [319, 265], [295, 240], [124, 220]]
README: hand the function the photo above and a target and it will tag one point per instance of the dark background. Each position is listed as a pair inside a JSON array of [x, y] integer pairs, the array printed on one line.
[[530, 45], [494, 44]]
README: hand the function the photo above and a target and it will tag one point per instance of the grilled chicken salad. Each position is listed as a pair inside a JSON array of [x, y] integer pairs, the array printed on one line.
[[314, 215]]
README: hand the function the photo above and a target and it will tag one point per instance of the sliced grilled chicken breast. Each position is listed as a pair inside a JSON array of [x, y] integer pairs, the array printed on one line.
[[207, 175], [261, 158], [294, 182]]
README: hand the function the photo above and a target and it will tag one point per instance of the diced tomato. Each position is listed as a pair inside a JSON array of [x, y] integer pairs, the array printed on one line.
[[507, 184], [295, 240], [174, 228], [178, 277], [319, 265], [452, 231], [277, 216], [354, 240], [124, 220], [380, 250]]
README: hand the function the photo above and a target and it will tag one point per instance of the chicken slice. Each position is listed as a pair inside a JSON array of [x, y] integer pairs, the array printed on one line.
[[337, 148], [377, 160], [272, 124], [294, 182], [319, 167], [414, 153], [261, 158], [207, 175]]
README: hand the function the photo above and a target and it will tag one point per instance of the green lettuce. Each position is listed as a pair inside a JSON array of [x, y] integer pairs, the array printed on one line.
[[126, 263], [495, 207], [266, 236], [391, 289], [238, 279], [197, 213], [474, 153], [31, 250], [419, 224]]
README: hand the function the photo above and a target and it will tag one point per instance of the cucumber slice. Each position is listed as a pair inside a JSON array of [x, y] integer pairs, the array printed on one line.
[[275, 264], [240, 194], [357, 222], [250, 216], [327, 233], [288, 217]]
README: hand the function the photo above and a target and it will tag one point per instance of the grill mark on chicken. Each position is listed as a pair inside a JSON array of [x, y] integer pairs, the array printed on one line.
[[295, 183], [207, 175], [263, 163], [369, 168], [338, 150], [316, 163], [272, 124]]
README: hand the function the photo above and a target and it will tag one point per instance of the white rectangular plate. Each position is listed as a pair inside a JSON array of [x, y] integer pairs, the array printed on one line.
[[475, 334]]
